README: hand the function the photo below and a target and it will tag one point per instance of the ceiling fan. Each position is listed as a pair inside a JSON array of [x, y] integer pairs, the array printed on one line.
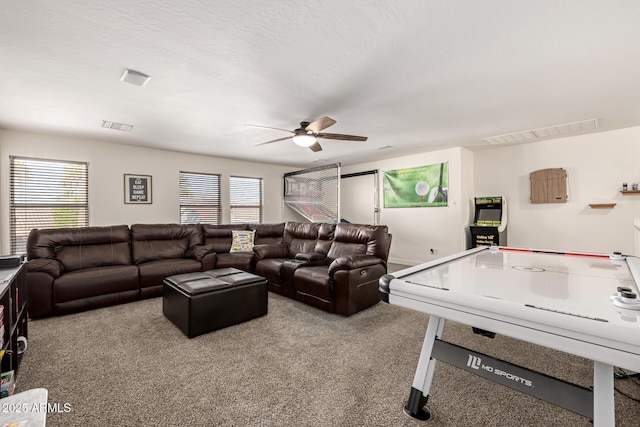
[[308, 133]]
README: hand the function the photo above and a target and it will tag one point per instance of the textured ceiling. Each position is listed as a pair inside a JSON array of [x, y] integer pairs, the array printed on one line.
[[416, 75]]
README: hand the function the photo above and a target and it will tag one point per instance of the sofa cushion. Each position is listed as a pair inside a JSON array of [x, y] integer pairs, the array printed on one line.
[[83, 247], [280, 250], [340, 249], [325, 237], [154, 250], [241, 260], [93, 282], [313, 281], [152, 273], [151, 242], [98, 301], [78, 257], [301, 237], [220, 236], [198, 252], [270, 269], [354, 239], [268, 234]]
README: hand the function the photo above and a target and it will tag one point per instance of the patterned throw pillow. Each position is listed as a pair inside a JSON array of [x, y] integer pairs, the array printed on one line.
[[242, 241]]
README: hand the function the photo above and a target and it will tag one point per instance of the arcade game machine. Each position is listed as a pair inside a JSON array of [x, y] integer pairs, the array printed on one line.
[[490, 223]]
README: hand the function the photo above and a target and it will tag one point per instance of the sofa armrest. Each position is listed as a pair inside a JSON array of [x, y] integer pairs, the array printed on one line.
[[41, 273], [52, 267], [278, 250], [209, 261], [310, 257], [198, 252], [358, 288], [352, 262]]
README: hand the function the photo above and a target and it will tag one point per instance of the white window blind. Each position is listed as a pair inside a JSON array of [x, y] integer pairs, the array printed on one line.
[[245, 196], [199, 198], [46, 194]]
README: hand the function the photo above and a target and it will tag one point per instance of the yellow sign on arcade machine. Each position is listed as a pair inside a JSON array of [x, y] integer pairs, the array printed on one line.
[[490, 223]]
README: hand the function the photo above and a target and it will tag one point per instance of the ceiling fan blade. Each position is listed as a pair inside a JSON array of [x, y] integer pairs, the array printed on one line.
[[315, 147], [321, 123], [274, 140], [341, 137], [268, 127]]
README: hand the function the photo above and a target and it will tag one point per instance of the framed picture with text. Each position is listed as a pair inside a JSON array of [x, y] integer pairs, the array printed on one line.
[[137, 189]]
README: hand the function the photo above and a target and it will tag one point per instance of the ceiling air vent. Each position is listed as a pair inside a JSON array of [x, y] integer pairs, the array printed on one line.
[[134, 77], [117, 126], [548, 132]]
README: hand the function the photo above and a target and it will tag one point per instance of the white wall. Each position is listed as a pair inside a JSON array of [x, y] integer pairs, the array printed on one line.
[[418, 230], [358, 198], [109, 162], [596, 166]]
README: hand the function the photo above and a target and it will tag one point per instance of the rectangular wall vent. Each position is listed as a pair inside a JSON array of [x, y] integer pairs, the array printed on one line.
[[547, 132], [117, 126]]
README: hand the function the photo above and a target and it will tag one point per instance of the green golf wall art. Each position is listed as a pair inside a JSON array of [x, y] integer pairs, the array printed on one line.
[[422, 186]]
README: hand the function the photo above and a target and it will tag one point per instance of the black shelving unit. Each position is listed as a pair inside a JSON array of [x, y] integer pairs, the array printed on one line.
[[13, 298]]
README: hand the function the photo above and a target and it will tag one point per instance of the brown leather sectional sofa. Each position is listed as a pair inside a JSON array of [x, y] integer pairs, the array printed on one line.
[[334, 267]]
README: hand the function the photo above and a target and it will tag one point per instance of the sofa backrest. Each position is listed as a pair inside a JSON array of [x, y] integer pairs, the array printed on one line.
[[301, 237], [82, 247], [353, 239], [152, 242], [220, 236], [325, 237], [267, 234]]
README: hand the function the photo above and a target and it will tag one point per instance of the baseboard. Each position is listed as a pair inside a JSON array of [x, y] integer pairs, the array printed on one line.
[[408, 262]]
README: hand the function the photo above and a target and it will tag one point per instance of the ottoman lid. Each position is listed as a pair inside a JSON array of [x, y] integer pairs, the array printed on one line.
[[223, 272], [186, 277], [197, 284], [241, 278]]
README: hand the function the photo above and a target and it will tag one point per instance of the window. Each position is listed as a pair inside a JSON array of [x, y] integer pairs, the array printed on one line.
[[46, 194], [246, 199], [199, 198]]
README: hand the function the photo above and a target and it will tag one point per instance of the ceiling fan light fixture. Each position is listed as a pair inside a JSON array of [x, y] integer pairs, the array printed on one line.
[[304, 140], [307, 134]]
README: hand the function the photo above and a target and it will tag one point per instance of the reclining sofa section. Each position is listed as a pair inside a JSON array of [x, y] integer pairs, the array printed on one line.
[[333, 267]]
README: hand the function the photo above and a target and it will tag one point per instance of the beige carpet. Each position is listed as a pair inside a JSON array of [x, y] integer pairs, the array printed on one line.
[[297, 366]]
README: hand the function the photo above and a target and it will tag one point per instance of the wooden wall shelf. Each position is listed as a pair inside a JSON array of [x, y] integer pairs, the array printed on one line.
[[602, 205], [627, 192]]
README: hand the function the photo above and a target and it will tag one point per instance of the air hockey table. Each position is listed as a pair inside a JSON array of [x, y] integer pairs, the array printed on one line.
[[584, 304]]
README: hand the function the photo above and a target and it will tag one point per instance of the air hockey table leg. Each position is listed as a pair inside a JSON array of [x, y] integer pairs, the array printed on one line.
[[604, 412], [423, 377]]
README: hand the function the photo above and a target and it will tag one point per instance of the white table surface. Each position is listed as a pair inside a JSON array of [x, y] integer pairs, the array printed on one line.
[[500, 288], [29, 406]]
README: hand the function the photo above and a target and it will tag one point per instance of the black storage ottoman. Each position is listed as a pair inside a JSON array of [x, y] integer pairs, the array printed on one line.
[[198, 303]]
